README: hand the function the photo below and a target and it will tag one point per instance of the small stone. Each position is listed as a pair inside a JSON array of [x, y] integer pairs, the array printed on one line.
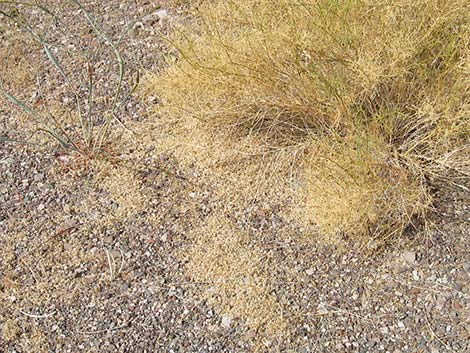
[[226, 321], [162, 14], [41, 207], [310, 272], [38, 177], [466, 266], [152, 99], [29, 282], [384, 330], [409, 257], [322, 310], [8, 161], [373, 342]]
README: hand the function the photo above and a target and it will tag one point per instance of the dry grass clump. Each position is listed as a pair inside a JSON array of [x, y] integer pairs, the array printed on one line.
[[373, 95], [356, 187]]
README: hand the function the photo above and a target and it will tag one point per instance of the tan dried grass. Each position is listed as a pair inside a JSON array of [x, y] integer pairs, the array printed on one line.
[[271, 85]]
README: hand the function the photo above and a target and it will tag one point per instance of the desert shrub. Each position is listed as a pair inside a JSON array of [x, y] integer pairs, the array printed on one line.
[[374, 93]]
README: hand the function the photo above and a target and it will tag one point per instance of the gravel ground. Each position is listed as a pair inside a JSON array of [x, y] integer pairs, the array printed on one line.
[[75, 276]]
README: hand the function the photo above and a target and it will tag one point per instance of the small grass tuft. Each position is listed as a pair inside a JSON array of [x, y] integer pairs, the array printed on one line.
[[90, 126]]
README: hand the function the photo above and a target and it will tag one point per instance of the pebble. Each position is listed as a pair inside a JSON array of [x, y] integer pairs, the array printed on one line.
[[162, 14], [8, 161], [373, 342], [38, 177], [226, 321], [409, 257], [339, 346]]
